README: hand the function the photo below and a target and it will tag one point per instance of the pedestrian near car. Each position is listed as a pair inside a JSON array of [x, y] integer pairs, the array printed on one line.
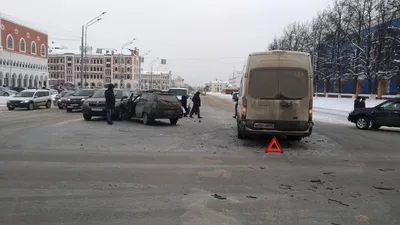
[[357, 102], [184, 105], [362, 103], [110, 102], [196, 105]]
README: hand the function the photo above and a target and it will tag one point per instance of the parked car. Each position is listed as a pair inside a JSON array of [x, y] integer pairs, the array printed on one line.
[[5, 91], [153, 105], [96, 105], [385, 114], [18, 89], [60, 95], [76, 100], [30, 99], [63, 101]]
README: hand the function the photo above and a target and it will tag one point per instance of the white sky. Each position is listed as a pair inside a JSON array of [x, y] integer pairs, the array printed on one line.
[[201, 39]]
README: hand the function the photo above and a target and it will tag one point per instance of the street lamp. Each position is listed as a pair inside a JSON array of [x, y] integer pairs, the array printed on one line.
[[151, 72], [140, 69], [84, 44], [121, 79]]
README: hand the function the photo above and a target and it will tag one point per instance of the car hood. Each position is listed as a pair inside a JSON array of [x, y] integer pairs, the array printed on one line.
[[20, 98], [101, 100], [77, 97]]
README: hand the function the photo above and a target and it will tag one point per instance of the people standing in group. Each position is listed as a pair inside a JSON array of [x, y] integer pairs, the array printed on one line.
[[196, 105], [357, 102], [110, 102], [184, 105]]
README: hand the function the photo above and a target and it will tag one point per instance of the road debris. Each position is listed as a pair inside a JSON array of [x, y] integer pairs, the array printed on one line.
[[340, 202], [386, 169], [316, 181], [383, 188], [249, 196], [218, 197]]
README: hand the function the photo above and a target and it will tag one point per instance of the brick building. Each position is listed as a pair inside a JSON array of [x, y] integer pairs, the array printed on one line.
[[23, 54], [103, 66]]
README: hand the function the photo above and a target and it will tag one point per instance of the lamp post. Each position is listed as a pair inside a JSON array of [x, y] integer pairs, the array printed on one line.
[[121, 79], [151, 72], [140, 69], [84, 45]]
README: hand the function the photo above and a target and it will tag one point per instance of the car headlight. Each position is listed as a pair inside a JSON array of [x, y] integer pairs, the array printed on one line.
[[83, 99], [69, 99], [26, 101]]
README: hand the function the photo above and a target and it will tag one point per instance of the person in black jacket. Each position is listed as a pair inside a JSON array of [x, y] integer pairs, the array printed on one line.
[[184, 105], [110, 102], [196, 105], [362, 103]]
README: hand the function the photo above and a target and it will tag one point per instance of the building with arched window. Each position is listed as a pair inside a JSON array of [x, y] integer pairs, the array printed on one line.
[[21, 62]]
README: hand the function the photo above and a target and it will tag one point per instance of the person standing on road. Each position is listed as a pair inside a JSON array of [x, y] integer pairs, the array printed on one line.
[[110, 102], [184, 105], [357, 102], [196, 105], [362, 103]]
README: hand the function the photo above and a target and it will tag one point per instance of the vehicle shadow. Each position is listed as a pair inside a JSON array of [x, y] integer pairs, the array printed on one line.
[[156, 123]]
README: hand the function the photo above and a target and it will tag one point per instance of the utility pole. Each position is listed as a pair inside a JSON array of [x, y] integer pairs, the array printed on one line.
[[83, 30]]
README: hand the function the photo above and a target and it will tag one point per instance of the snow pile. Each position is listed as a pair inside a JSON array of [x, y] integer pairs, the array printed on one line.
[[3, 100]]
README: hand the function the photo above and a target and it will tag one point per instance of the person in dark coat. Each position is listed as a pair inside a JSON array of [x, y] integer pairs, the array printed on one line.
[[184, 105], [110, 102], [196, 105], [357, 102], [362, 103]]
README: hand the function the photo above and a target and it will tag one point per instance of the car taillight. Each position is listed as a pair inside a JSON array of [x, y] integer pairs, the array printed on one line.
[[310, 110], [244, 108]]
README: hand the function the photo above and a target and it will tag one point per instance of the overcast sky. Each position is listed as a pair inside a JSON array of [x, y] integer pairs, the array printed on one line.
[[201, 39]]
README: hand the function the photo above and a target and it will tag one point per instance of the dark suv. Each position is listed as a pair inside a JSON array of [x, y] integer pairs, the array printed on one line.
[[384, 114], [153, 105], [76, 100], [96, 105]]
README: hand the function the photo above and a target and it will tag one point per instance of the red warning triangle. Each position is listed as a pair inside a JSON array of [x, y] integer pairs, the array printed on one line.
[[274, 146]]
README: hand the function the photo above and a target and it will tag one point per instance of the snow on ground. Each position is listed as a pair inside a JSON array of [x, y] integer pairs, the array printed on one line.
[[330, 110], [3, 100]]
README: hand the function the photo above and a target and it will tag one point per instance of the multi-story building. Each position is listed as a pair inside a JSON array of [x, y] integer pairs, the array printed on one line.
[[217, 86], [158, 79], [234, 80], [23, 54], [103, 66]]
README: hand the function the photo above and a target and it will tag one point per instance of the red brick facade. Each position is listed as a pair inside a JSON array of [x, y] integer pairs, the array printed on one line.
[[29, 35]]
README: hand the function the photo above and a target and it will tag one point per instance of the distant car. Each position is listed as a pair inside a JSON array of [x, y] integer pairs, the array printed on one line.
[[385, 114], [76, 100], [60, 95], [18, 89], [153, 105], [96, 105], [30, 99], [5, 91], [63, 100]]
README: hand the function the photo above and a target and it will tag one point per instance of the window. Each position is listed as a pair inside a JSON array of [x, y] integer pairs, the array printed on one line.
[[10, 42], [394, 105], [116, 61], [43, 50], [115, 69], [116, 76], [22, 45], [33, 48], [128, 61], [128, 77]]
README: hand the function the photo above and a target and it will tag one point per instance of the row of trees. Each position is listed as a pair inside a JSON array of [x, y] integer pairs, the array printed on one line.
[[349, 40]]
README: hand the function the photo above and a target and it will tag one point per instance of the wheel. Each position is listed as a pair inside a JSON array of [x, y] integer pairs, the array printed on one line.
[[146, 119], [6, 94], [10, 108], [31, 106], [87, 117], [69, 110], [48, 104], [362, 123], [241, 133], [293, 138], [60, 107], [173, 121]]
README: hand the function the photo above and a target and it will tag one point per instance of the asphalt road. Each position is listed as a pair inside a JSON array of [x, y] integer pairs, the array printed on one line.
[[56, 168]]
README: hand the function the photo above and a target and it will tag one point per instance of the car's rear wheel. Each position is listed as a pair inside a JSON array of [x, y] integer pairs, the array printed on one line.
[[6, 94], [87, 117], [31, 106], [48, 104], [173, 121], [241, 133], [362, 122], [146, 119], [60, 107], [10, 108], [69, 110]]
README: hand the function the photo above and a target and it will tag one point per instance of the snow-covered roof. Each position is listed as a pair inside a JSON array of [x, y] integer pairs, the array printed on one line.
[[155, 72], [219, 82], [21, 23], [55, 49]]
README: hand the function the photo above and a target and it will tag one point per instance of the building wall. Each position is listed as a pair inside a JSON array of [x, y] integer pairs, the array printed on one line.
[[19, 66]]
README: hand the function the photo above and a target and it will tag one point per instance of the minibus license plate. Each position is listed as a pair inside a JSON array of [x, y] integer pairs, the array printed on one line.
[[264, 125]]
